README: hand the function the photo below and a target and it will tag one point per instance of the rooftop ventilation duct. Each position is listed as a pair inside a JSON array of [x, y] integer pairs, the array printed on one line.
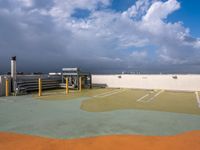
[[13, 72]]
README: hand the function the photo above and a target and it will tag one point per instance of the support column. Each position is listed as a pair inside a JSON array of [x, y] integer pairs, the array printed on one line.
[[39, 87], [80, 84], [7, 87], [67, 87], [90, 81]]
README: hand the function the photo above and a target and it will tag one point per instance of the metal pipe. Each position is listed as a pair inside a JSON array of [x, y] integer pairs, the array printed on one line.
[[13, 73]]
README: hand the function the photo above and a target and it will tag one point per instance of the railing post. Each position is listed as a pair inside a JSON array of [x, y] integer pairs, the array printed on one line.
[[80, 84], [7, 87], [67, 88], [39, 87]]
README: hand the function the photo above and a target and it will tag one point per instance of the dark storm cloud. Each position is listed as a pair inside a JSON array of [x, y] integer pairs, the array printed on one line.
[[34, 41]]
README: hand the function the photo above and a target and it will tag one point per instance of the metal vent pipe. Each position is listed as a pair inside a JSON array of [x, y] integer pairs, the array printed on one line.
[[13, 73]]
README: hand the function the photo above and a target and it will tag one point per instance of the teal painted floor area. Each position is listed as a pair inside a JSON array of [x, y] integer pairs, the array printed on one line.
[[65, 119]]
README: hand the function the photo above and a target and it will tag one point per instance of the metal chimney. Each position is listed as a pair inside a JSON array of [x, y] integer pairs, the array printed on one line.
[[13, 72]]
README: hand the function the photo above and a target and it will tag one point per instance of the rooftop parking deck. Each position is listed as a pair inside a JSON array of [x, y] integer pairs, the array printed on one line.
[[108, 99], [100, 112]]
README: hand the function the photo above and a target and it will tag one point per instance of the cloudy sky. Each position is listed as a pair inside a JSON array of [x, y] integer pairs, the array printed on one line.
[[101, 36]]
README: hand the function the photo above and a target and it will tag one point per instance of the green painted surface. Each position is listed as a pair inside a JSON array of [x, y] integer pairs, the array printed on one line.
[[65, 119], [180, 102]]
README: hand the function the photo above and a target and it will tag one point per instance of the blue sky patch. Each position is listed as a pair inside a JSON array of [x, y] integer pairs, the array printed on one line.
[[81, 13], [122, 5]]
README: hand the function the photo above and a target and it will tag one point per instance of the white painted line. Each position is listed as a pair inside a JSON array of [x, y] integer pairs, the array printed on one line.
[[198, 99], [141, 98], [157, 94], [102, 94], [52, 93], [3, 99], [113, 93], [6, 100]]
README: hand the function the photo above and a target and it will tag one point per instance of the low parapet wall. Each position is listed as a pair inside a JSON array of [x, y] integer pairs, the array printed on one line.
[[166, 82]]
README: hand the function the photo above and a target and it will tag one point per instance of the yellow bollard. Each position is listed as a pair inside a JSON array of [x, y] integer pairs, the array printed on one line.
[[67, 88], [39, 87], [7, 88], [80, 84]]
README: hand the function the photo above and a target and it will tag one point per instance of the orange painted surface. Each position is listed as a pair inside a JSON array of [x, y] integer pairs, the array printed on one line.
[[185, 141]]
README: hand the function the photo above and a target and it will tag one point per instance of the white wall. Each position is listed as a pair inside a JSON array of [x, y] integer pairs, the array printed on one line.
[[166, 82]]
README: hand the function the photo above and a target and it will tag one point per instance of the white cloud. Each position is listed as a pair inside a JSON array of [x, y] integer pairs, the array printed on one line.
[[26, 3], [139, 54], [64, 8], [105, 36], [160, 10], [197, 44], [140, 7]]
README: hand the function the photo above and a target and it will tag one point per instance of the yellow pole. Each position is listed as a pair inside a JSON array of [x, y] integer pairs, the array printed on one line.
[[80, 84], [67, 88], [7, 88], [39, 87]]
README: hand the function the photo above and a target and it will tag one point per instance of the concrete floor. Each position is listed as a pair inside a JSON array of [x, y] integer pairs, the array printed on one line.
[[65, 119]]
